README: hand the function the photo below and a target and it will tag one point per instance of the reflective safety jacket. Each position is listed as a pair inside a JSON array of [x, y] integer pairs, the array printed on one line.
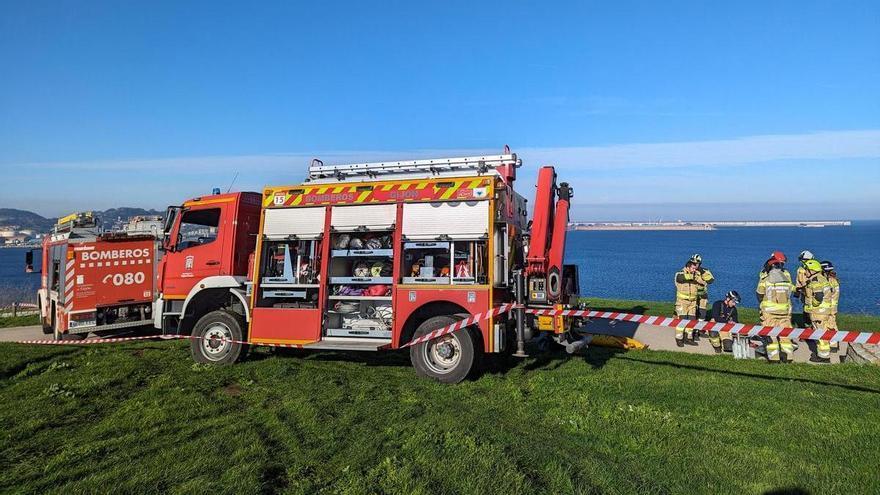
[[687, 286], [708, 278], [835, 293], [774, 291], [818, 295]]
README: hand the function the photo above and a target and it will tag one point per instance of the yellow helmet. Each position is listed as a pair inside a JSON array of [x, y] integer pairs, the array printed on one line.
[[813, 265]]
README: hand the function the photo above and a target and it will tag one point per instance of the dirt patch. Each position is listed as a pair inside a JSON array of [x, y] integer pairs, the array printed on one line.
[[138, 353], [233, 390]]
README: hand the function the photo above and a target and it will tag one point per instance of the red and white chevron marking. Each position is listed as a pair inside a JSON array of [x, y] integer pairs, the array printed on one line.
[[459, 325], [69, 280], [736, 328]]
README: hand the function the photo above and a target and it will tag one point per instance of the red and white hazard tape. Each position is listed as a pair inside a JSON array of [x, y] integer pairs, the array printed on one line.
[[459, 325], [663, 321], [734, 328], [143, 337]]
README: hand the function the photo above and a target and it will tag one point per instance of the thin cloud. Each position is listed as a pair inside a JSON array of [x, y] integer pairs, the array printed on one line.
[[821, 145]]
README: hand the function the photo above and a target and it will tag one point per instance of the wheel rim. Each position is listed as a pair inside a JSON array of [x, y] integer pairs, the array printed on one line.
[[442, 355], [216, 341]]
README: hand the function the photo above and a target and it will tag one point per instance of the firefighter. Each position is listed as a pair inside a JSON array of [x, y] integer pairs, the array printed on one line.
[[801, 279], [724, 311], [687, 284], [774, 293], [817, 305], [831, 321], [703, 291]]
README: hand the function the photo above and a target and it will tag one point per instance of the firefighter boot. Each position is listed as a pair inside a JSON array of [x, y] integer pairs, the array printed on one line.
[[726, 342], [786, 348], [715, 340], [691, 335], [679, 336], [822, 352]]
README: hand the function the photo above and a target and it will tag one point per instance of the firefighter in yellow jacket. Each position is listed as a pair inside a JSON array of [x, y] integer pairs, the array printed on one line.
[[703, 291], [817, 305], [774, 293], [688, 283], [831, 322], [800, 281]]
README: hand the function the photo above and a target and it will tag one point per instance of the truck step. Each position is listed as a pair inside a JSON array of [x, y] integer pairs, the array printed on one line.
[[348, 344]]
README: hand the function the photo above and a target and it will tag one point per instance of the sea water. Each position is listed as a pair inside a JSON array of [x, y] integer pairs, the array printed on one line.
[[641, 264]]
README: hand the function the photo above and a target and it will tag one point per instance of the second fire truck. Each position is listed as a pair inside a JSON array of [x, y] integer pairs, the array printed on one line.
[[368, 257]]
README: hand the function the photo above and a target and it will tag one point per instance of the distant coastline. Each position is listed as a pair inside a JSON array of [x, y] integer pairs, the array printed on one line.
[[710, 225]]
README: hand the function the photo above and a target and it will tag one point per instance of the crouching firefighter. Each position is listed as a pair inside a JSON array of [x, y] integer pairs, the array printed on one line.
[[774, 293], [818, 304], [688, 284], [724, 311]]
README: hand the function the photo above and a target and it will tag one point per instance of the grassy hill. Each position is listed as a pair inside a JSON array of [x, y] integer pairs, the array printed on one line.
[[143, 417]]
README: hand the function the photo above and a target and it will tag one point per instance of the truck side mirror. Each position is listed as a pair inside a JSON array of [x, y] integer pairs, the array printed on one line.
[[29, 261]]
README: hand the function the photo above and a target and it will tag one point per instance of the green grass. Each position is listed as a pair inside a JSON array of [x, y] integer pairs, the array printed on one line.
[[19, 321], [143, 417], [854, 322]]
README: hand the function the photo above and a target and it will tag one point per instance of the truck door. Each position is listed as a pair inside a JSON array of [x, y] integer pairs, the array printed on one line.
[[196, 248]]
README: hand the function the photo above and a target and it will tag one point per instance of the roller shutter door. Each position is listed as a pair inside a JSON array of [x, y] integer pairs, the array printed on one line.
[[458, 220], [306, 223], [373, 217]]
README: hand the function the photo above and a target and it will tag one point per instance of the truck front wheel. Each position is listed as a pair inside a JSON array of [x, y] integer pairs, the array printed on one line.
[[218, 337], [447, 359]]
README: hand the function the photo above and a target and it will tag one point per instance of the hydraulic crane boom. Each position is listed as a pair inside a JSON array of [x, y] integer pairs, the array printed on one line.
[[547, 244]]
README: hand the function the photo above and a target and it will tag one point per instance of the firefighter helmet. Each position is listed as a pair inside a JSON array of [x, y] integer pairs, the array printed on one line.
[[813, 265], [342, 241], [361, 269]]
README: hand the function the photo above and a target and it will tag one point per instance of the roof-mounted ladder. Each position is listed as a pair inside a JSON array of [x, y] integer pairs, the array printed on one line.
[[411, 169]]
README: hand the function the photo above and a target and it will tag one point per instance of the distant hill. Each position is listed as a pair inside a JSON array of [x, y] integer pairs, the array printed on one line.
[[30, 220], [109, 217], [25, 219]]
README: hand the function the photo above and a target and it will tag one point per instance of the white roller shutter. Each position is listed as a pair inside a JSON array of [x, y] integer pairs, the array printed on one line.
[[458, 220], [301, 222], [373, 217]]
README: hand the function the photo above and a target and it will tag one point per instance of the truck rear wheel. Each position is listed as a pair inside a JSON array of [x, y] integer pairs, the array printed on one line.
[[447, 359], [218, 336]]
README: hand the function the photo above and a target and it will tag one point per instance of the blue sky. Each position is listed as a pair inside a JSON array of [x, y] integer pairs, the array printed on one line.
[[692, 110]]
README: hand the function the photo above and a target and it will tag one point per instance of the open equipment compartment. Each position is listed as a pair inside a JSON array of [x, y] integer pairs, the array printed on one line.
[[290, 271], [360, 272]]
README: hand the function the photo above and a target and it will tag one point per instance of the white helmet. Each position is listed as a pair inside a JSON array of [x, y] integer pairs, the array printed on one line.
[[805, 255], [342, 241]]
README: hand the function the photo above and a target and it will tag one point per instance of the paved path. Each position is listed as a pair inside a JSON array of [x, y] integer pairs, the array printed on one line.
[[22, 333], [663, 339]]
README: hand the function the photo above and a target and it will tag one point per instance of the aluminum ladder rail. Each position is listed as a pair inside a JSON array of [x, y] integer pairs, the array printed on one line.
[[411, 169]]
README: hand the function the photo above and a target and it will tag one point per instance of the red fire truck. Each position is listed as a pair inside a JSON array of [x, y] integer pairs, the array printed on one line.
[[94, 281], [369, 256]]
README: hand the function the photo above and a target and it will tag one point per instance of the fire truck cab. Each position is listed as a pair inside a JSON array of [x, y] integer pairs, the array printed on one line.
[[368, 257]]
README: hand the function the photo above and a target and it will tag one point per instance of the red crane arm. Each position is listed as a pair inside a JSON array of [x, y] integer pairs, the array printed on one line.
[[542, 220]]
